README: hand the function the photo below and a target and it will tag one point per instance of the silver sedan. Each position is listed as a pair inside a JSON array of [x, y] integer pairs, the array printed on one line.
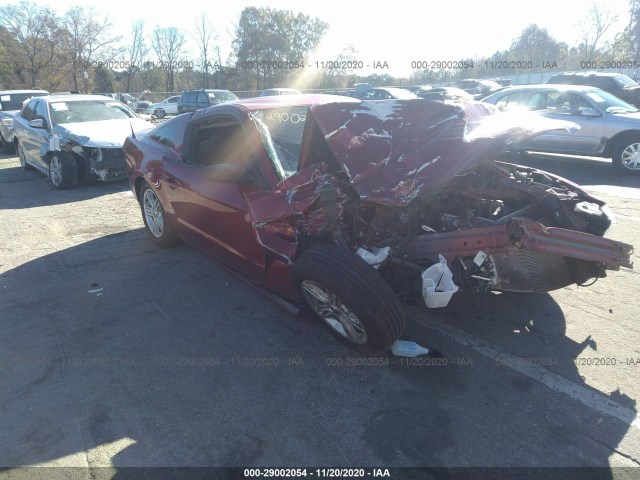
[[609, 127]]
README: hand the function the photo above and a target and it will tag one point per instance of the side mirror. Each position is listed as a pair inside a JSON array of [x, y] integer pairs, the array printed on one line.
[[37, 123], [589, 112], [229, 173]]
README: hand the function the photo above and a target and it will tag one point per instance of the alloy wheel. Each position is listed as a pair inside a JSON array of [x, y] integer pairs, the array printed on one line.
[[630, 157], [153, 213], [333, 311], [55, 170]]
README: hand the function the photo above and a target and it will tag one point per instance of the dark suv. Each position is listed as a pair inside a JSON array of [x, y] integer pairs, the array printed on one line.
[[618, 84], [193, 100]]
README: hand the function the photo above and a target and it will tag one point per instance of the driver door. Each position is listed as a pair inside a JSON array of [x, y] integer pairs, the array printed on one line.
[[207, 193]]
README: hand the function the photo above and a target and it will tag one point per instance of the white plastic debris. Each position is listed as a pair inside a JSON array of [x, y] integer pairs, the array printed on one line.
[[95, 290], [479, 258], [437, 285], [375, 257], [403, 348]]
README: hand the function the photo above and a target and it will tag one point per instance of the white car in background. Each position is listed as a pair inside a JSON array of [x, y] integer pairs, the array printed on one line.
[[169, 106], [75, 139]]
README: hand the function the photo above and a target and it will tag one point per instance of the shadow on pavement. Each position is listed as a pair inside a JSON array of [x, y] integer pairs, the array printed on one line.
[[26, 189], [116, 351]]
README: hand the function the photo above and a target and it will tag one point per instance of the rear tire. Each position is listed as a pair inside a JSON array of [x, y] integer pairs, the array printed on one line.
[[350, 297], [626, 156], [155, 219], [63, 171]]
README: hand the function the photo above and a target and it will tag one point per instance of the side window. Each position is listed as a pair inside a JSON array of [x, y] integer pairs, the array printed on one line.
[[191, 97], [518, 101], [567, 103], [29, 110], [170, 135], [202, 98], [220, 141], [41, 112], [173, 100]]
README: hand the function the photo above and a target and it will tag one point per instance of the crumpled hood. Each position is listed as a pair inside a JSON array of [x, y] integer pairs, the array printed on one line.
[[393, 151], [104, 133]]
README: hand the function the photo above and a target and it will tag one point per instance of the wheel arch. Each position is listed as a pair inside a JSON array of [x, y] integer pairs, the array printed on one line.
[[614, 141]]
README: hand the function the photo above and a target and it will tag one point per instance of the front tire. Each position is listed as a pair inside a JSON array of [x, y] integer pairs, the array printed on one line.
[[63, 171], [155, 219], [350, 297], [626, 156], [160, 113]]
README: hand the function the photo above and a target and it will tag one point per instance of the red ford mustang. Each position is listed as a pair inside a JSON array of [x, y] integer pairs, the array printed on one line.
[[348, 206]]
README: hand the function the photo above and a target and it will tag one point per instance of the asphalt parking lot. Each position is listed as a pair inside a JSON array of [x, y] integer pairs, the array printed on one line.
[[116, 353]]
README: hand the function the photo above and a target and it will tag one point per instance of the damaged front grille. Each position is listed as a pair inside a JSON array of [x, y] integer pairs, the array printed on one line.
[[106, 158]]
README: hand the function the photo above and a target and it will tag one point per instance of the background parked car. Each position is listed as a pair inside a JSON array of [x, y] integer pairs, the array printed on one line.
[[11, 102], [168, 106], [75, 138], [478, 88], [443, 93], [616, 83], [193, 100], [279, 91], [384, 93], [609, 127]]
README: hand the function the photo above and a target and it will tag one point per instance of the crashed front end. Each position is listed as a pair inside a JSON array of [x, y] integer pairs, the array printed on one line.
[[97, 159], [415, 189]]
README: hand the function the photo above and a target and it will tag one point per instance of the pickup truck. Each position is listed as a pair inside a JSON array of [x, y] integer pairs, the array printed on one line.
[[11, 102]]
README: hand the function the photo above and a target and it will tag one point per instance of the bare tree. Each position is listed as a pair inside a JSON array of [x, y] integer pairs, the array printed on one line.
[[205, 36], [135, 53], [596, 23], [32, 31], [168, 43], [88, 40]]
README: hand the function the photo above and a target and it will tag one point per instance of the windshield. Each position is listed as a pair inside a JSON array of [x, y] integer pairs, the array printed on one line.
[[609, 102], [221, 96], [281, 130], [14, 101], [87, 111], [625, 81]]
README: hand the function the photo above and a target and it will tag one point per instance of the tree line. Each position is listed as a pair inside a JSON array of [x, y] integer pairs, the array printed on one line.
[[77, 50]]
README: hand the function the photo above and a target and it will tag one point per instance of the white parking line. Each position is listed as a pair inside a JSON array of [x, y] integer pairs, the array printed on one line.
[[584, 395]]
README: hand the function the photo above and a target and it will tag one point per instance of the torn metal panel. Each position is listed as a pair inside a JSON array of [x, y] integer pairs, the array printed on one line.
[[393, 151], [309, 202]]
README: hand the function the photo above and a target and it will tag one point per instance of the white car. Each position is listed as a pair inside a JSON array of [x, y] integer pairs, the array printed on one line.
[[169, 106], [74, 139]]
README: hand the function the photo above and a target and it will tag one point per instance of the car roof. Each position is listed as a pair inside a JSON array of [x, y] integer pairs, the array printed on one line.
[[590, 74], [548, 86], [76, 97], [303, 99], [9, 92]]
